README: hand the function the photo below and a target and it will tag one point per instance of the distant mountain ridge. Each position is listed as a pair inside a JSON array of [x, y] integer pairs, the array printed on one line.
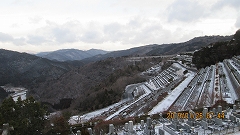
[[70, 54], [191, 45], [164, 49], [147, 50]]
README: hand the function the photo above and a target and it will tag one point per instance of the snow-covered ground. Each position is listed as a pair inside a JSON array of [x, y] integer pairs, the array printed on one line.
[[16, 92], [229, 84], [85, 117], [154, 69], [167, 102], [21, 94], [181, 68], [227, 94]]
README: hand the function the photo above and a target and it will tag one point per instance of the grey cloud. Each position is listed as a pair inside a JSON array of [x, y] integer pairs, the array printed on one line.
[[113, 32], [223, 3], [55, 34], [36, 40], [153, 33], [8, 38], [148, 32], [5, 37], [185, 11], [136, 22], [112, 28], [19, 41], [63, 35], [137, 31], [50, 23], [92, 36], [127, 33]]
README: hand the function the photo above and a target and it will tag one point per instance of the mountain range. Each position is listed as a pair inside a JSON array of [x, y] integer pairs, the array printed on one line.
[[70, 54], [164, 49], [147, 50]]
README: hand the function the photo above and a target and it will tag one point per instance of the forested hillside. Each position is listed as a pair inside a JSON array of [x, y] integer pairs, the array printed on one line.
[[22, 69], [94, 85], [217, 52]]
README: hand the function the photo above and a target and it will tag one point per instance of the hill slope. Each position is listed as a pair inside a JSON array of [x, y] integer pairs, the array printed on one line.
[[27, 70], [217, 52]]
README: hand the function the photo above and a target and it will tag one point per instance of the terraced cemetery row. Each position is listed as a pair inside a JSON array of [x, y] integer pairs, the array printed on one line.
[[217, 82]]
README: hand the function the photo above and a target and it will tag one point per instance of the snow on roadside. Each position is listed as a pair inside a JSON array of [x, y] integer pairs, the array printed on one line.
[[76, 119], [167, 102]]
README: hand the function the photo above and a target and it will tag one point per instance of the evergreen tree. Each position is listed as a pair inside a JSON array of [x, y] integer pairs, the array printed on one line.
[[26, 117]]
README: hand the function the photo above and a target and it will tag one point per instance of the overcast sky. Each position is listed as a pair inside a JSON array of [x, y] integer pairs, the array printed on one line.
[[46, 25]]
